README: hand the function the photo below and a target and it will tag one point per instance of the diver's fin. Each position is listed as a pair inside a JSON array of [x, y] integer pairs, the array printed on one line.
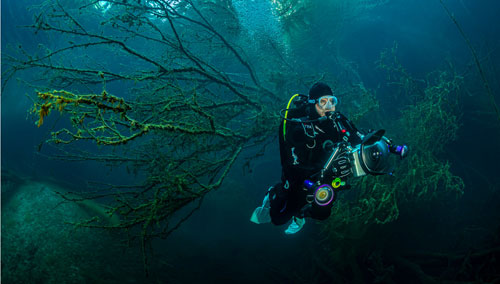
[[261, 215], [295, 226]]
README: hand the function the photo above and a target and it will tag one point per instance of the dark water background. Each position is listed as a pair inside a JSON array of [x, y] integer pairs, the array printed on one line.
[[219, 244]]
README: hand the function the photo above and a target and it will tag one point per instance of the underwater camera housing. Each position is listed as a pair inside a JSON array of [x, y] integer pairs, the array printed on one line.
[[371, 157]]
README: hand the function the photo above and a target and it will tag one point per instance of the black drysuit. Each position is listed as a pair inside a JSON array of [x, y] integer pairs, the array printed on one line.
[[303, 154]]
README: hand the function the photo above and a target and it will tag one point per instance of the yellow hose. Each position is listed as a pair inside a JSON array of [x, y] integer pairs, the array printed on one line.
[[286, 115]]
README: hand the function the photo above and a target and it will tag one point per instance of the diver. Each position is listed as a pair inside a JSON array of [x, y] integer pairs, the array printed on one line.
[[308, 134]]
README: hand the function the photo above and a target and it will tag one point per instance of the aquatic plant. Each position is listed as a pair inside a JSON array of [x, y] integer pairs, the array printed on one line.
[[429, 121], [161, 89]]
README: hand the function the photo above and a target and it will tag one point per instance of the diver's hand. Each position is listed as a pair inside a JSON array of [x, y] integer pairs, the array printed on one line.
[[341, 166], [400, 150], [404, 151]]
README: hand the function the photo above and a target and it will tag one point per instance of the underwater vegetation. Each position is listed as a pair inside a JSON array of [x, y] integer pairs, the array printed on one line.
[[176, 93], [179, 124], [422, 178]]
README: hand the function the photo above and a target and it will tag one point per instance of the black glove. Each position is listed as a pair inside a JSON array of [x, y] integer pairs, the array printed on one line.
[[400, 150], [341, 166]]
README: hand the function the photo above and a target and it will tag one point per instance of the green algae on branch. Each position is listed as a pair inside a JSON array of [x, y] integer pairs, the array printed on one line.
[[59, 99], [81, 106]]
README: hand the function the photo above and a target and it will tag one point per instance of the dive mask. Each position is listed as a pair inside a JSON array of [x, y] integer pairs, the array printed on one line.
[[327, 102]]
